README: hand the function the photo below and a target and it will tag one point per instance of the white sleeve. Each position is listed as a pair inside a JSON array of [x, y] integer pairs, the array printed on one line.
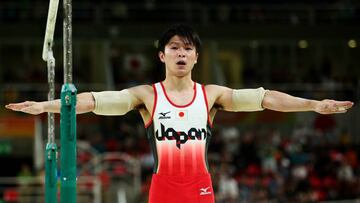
[[113, 102], [248, 99]]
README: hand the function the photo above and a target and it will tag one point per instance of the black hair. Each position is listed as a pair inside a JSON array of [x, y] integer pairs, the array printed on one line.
[[186, 32]]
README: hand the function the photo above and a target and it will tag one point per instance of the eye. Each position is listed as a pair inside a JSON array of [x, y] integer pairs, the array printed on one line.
[[188, 48], [174, 48]]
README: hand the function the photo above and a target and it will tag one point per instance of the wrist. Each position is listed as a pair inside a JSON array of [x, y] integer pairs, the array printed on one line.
[[314, 105], [43, 106], [49, 106]]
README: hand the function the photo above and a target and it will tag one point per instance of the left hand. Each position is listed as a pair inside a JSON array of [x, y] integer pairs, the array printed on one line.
[[328, 106], [29, 107]]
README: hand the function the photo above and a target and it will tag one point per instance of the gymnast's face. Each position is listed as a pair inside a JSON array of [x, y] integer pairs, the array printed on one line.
[[179, 56]]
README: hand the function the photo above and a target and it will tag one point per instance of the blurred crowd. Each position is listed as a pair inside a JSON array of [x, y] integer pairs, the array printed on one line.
[[300, 168]]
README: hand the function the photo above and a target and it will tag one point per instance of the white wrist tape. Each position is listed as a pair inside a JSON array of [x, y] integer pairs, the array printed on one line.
[[248, 99], [113, 103]]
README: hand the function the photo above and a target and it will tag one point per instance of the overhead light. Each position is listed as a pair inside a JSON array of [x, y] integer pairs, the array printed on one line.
[[303, 44], [254, 44], [352, 43]]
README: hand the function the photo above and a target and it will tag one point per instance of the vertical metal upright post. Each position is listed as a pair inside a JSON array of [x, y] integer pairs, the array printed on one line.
[[51, 148], [51, 179], [68, 115]]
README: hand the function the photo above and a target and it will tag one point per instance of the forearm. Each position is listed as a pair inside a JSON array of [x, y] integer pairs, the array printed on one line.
[[279, 101], [51, 106], [84, 103]]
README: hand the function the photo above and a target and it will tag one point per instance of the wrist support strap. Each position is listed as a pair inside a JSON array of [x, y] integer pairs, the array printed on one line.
[[248, 99], [113, 103]]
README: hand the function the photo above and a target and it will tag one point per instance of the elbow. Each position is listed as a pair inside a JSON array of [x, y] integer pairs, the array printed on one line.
[[84, 107], [85, 103], [267, 101], [89, 106], [273, 100]]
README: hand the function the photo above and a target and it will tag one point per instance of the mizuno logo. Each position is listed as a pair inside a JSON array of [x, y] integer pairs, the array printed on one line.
[[163, 115], [204, 191]]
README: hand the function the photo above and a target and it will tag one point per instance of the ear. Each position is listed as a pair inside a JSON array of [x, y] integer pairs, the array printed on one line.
[[196, 58], [161, 56]]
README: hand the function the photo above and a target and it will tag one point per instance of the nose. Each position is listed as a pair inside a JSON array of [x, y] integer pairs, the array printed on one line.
[[181, 52]]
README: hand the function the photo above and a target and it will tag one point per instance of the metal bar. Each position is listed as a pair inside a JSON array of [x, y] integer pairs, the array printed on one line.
[[68, 115], [67, 31], [51, 148], [51, 94]]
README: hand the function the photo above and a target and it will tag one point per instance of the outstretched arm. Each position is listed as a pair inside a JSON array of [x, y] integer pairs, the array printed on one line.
[[279, 101], [101, 103], [85, 103], [258, 99]]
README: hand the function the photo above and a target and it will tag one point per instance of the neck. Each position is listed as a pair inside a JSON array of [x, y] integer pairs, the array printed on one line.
[[178, 83]]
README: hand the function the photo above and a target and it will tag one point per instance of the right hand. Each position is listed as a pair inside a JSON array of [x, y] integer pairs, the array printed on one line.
[[29, 107], [328, 106]]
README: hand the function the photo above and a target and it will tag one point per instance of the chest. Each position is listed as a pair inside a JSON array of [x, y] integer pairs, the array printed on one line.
[[182, 110], [180, 98]]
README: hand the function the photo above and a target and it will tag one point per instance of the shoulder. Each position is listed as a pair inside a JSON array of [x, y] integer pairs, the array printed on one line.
[[218, 96], [143, 94], [212, 87], [142, 91], [216, 89]]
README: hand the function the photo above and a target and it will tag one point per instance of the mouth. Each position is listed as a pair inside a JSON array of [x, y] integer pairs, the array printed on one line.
[[181, 63]]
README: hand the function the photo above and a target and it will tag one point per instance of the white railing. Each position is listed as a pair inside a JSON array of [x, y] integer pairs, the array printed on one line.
[[106, 161], [31, 189]]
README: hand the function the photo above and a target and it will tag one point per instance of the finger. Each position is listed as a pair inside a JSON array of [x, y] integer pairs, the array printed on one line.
[[344, 105], [18, 106], [333, 111], [15, 107], [341, 111]]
